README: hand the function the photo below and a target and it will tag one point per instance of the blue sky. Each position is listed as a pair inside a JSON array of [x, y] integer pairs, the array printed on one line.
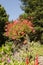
[[12, 8]]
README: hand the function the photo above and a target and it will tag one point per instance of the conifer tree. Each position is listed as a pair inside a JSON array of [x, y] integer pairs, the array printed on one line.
[[34, 8], [3, 19]]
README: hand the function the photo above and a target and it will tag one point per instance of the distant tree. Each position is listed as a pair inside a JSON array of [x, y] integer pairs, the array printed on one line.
[[23, 16], [3, 19], [34, 8]]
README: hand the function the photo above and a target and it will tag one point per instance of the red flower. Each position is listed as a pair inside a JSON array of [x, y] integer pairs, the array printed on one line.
[[18, 27], [30, 23], [36, 60], [27, 60], [25, 21], [15, 22], [22, 33]]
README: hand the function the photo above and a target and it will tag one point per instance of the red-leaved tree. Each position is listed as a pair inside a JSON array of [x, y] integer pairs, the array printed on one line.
[[18, 29]]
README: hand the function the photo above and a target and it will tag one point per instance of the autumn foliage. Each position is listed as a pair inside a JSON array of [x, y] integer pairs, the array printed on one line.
[[18, 29]]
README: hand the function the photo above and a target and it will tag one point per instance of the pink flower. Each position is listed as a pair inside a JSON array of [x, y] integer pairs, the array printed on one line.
[[2, 59], [8, 60], [33, 31], [5, 29], [13, 37], [5, 26]]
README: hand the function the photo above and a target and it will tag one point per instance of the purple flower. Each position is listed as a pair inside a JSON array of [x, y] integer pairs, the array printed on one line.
[[8, 60]]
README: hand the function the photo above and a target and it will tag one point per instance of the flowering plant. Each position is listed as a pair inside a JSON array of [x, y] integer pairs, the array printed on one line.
[[18, 29]]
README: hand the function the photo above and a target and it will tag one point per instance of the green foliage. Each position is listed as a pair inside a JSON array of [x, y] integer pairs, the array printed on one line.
[[3, 19], [36, 47], [23, 16], [7, 56], [34, 8]]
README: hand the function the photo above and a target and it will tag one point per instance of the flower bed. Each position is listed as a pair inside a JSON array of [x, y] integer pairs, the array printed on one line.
[[11, 55]]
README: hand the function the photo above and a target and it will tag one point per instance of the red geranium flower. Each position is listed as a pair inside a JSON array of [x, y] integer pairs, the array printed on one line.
[[36, 60], [27, 60], [22, 33]]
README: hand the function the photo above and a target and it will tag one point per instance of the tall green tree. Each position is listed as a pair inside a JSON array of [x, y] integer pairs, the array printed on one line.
[[34, 8], [3, 19]]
